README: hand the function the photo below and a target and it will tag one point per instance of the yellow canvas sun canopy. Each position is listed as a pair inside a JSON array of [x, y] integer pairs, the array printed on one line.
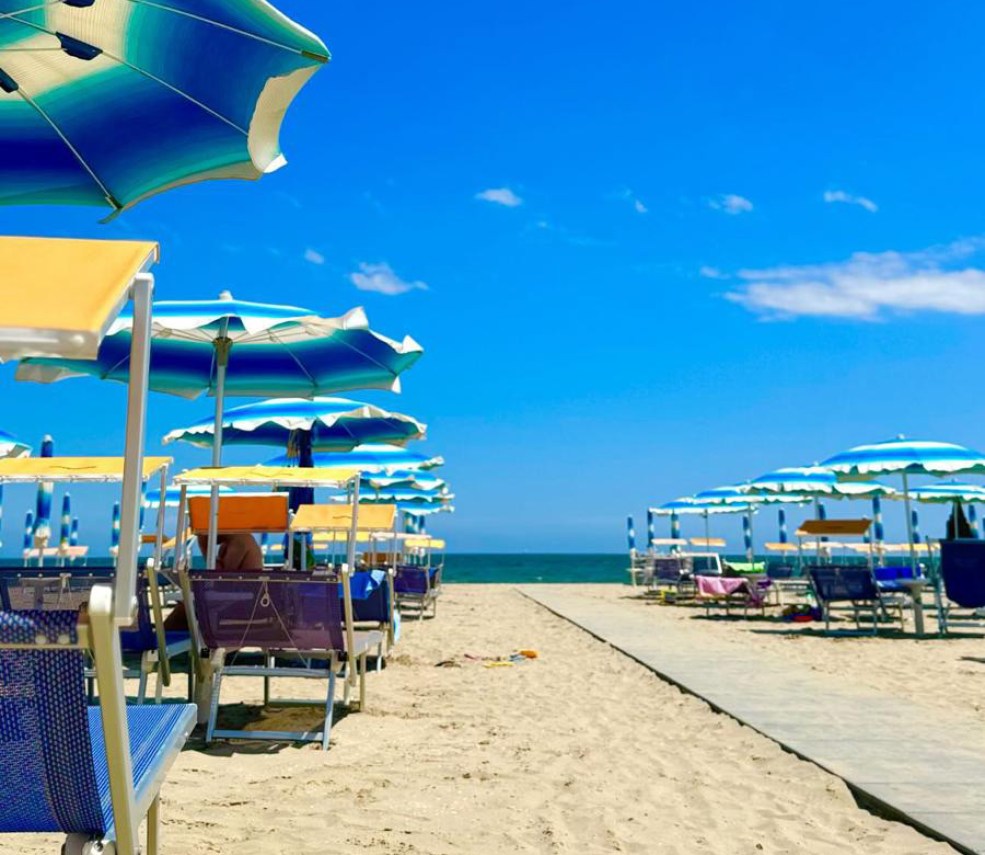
[[266, 476], [339, 518], [59, 296], [73, 469]]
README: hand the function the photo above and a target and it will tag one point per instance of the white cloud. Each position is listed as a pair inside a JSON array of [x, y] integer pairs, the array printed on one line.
[[731, 203], [869, 286], [639, 207], [708, 272], [841, 196], [500, 196], [313, 256], [382, 279]]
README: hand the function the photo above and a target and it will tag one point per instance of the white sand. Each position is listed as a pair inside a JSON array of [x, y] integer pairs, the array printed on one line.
[[579, 751]]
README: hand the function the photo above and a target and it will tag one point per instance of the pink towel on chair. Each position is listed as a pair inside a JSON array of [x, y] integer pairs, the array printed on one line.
[[722, 586]]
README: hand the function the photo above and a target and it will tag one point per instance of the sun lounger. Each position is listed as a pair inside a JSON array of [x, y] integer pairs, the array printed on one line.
[[295, 620], [419, 587], [60, 588], [726, 592], [64, 765], [963, 578], [834, 584], [671, 572]]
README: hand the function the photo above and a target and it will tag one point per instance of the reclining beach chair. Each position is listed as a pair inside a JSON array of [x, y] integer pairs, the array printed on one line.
[[297, 620], [62, 588], [731, 591], [963, 578], [853, 585], [418, 587], [671, 572]]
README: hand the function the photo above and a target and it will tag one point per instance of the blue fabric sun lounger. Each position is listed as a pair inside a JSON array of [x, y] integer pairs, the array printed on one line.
[[55, 760]]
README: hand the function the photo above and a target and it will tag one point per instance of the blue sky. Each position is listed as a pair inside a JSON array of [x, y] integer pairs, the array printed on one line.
[[647, 250]]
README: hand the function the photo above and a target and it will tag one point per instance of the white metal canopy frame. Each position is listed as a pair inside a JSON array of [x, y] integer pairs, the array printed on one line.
[[58, 297]]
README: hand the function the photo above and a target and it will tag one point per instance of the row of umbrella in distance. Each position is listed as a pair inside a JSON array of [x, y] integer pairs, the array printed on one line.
[[293, 356], [848, 475]]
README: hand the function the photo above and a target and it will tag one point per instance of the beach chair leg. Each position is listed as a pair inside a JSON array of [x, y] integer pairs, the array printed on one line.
[[269, 662], [142, 681], [329, 709], [347, 689], [213, 705], [154, 826], [379, 657], [362, 682], [159, 688], [191, 683]]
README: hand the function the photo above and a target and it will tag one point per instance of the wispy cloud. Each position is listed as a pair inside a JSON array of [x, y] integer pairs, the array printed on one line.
[[382, 279], [708, 272], [313, 256], [731, 203], [500, 196], [560, 232], [637, 204], [870, 286], [841, 196]]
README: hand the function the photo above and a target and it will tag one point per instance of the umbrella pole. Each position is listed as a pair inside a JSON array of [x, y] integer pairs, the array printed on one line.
[[222, 346], [707, 533], [909, 524]]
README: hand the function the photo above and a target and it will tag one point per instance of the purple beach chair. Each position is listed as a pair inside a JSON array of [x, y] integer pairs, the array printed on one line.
[[296, 621], [419, 587], [61, 588]]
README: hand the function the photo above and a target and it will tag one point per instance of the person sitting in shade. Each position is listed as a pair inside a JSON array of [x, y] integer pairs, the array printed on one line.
[[236, 553]]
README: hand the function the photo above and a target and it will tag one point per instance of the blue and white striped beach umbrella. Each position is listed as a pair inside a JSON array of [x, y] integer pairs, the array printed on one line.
[[907, 457], [675, 525], [114, 533], [416, 479], [42, 512], [630, 534], [422, 511], [106, 103], [973, 520], [812, 481], [172, 495], [29, 531], [230, 347], [651, 533], [10, 447], [65, 534], [370, 458], [948, 491], [747, 536], [781, 516], [878, 532], [73, 537], [318, 424], [915, 525]]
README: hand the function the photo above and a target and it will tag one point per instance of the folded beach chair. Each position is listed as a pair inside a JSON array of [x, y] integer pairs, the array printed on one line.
[[671, 572], [61, 588], [963, 577], [725, 591], [296, 620], [64, 765], [833, 584]]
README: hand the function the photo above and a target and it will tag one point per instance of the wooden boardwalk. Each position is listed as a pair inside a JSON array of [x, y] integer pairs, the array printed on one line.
[[923, 767]]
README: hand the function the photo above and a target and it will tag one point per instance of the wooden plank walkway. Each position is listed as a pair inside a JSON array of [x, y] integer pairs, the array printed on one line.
[[923, 767]]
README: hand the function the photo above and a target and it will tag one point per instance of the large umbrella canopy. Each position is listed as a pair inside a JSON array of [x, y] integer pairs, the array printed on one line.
[[812, 481], [369, 458], [107, 102], [415, 479], [321, 424], [10, 447], [247, 349], [907, 457], [949, 491], [404, 497], [739, 496]]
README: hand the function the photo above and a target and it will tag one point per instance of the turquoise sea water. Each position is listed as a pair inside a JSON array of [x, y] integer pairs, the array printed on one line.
[[532, 567]]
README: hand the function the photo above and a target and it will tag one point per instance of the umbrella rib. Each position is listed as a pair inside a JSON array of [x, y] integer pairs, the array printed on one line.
[[164, 8], [75, 152], [140, 71]]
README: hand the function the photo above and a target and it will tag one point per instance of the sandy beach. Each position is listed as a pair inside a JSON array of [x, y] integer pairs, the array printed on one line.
[[579, 750]]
